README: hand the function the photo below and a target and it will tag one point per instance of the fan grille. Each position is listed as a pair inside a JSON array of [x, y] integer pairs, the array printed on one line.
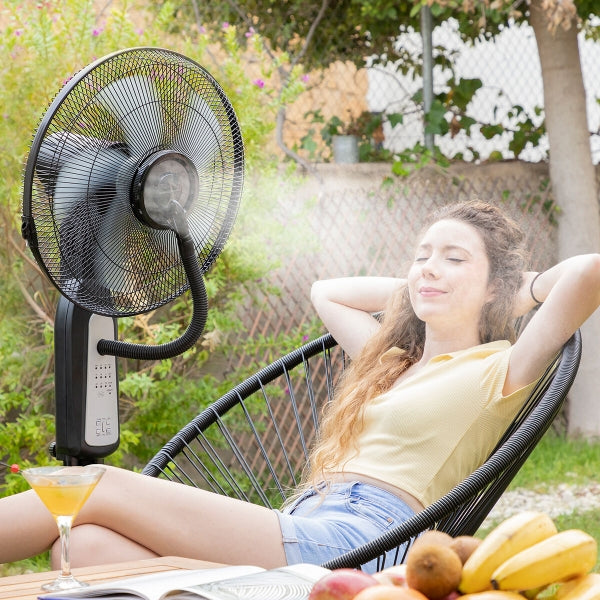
[[79, 216]]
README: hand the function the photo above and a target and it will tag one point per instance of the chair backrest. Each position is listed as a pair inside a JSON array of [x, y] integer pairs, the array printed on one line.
[[253, 442]]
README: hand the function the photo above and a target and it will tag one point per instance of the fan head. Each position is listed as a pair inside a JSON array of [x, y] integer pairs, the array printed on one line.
[[138, 149]]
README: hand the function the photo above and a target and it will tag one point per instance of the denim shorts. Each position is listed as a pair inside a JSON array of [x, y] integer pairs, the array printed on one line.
[[317, 527]]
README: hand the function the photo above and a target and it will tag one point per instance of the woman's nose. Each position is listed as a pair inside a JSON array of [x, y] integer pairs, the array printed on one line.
[[430, 269]]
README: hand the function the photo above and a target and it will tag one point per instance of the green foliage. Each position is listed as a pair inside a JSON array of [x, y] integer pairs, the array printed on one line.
[[37, 564], [347, 29], [417, 157], [367, 127], [351, 30]]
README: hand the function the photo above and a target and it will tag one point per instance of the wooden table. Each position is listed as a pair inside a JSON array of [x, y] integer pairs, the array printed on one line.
[[28, 587]]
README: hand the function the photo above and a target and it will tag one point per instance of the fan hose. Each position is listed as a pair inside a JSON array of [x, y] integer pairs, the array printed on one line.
[[195, 328]]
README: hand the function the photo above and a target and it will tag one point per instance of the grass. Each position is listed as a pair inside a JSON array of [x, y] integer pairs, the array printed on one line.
[[555, 460]]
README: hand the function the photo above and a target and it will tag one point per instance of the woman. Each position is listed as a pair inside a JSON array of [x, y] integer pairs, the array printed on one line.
[[429, 391]]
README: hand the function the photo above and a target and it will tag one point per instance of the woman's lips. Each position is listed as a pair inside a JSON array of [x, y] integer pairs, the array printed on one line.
[[429, 292]]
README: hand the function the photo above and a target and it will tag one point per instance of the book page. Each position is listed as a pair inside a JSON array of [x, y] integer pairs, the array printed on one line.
[[153, 586], [292, 583]]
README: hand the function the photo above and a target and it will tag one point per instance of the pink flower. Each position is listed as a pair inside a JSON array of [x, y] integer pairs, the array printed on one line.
[[202, 29], [96, 32], [225, 25], [250, 32], [259, 83], [305, 78], [18, 32]]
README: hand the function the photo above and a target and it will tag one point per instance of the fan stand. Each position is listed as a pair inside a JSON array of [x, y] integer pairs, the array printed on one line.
[[139, 150]]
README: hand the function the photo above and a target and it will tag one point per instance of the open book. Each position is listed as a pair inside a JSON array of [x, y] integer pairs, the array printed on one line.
[[293, 582]]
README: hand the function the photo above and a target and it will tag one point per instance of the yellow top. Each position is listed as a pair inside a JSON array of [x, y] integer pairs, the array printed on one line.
[[434, 428]]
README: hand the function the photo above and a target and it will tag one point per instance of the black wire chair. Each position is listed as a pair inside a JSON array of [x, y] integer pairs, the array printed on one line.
[[253, 442]]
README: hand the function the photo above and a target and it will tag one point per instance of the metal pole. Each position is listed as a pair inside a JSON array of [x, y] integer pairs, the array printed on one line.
[[426, 29]]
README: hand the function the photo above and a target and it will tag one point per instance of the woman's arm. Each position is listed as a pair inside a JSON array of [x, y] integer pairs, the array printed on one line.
[[524, 301], [345, 306], [570, 292]]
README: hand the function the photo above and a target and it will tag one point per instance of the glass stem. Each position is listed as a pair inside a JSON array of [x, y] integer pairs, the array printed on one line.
[[64, 529]]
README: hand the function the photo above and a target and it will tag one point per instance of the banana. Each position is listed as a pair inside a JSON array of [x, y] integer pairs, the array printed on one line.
[[507, 539], [564, 587], [586, 587], [492, 595], [567, 554]]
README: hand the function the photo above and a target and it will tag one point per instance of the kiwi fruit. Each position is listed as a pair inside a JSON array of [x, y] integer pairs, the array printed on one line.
[[464, 545], [433, 536], [433, 569]]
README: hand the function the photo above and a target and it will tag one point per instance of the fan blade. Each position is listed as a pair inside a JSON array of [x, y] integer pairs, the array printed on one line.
[[201, 138], [135, 104], [85, 175], [119, 264], [112, 242], [76, 235]]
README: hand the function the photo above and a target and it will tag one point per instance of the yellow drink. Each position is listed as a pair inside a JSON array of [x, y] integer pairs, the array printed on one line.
[[64, 490], [63, 500]]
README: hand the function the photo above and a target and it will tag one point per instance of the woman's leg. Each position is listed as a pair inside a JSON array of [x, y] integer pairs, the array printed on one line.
[[26, 527], [167, 519], [92, 545]]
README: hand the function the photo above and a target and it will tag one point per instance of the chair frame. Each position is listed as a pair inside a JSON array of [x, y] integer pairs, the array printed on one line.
[[459, 512]]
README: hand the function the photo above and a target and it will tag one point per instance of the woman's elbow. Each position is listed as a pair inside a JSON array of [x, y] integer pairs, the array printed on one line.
[[590, 270], [318, 292], [587, 276]]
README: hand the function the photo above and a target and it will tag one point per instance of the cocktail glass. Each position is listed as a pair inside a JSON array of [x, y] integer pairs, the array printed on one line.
[[64, 491]]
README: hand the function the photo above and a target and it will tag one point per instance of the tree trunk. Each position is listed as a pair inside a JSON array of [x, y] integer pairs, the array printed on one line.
[[572, 176]]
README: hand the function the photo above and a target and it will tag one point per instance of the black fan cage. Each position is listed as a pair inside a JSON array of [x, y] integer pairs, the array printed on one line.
[[78, 210]]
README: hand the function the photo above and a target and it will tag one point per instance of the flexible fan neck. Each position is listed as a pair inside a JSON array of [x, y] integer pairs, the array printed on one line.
[[197, 323]]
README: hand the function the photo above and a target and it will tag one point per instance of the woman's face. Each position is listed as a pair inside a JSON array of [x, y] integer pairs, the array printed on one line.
[[448, 280]]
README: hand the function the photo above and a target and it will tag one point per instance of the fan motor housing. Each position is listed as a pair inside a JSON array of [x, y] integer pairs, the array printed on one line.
[[166, 180]]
